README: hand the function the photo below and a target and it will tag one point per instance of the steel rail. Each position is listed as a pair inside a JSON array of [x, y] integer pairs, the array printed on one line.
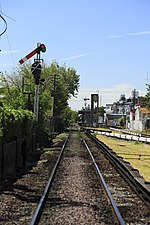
[[141, 190], [114, 207], [38, 211]]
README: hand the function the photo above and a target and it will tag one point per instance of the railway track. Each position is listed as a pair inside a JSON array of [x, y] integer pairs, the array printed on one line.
[[123, 134], [130, 174], [84, 188]]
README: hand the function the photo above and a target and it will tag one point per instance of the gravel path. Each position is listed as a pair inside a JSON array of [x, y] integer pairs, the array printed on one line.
[[76, 196]]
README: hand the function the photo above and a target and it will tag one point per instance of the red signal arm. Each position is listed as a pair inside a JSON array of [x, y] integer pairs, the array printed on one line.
[[21, 61]]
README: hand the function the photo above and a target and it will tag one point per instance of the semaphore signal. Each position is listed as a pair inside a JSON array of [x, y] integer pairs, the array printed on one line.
[[41, 48]]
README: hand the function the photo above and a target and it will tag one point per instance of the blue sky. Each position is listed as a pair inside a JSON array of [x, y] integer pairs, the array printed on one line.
[[106, 41]]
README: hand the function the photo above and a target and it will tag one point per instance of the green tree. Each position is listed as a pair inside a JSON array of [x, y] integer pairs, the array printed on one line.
[[60, 83], [143, 101], [121, 122], [11, 90], [147, 96], [100, 111], [69, 117]]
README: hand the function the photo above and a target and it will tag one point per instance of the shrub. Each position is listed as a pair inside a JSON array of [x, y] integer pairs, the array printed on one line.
[[15, 123]]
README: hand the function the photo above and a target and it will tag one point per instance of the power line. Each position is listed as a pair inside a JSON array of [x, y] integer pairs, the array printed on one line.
[[10, 49], [5, 25], [3, 20], [7, 16], [6, 30]]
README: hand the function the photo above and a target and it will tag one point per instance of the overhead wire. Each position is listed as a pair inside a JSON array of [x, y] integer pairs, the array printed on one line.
[[10, 50], [3, 20], [6, 32], [5, 25], [7, 16]]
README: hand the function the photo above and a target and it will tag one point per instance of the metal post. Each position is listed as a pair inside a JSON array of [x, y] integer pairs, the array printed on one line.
[[85, 115], [54, 103], [92, 110], [36, 97], [38, 54], [27, 92], [36, 102]]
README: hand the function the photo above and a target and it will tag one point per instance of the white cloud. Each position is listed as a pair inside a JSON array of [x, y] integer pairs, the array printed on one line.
[[106, 95], [139, 33], [131, 34], [76, 56], [9, 52]]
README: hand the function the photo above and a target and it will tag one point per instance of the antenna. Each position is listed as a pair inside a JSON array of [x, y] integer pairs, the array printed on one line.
[[147, 79]]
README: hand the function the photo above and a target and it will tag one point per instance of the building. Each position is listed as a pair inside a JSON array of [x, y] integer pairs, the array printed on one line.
[[139, 119], [119, 110]]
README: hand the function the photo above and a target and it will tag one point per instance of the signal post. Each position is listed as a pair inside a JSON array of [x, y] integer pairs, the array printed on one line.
[[36, 71]]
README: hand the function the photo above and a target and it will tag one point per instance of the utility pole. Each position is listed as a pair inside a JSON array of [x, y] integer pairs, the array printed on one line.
[[147, 79], [54, 96], [26, 89], [36, 102], [85, 115]]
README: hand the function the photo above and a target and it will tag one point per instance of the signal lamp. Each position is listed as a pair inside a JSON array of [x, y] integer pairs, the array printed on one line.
[[36, 71], [41, 48]]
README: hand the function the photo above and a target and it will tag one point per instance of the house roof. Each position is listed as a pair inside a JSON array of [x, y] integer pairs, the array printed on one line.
[[145, 110], [114, 116]]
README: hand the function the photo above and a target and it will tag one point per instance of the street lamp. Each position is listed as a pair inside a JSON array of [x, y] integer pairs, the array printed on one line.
[[54, 93], [85, 115]]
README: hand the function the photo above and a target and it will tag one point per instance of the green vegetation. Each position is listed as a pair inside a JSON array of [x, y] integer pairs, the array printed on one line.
[[137, 153], [58, 84], [145, 101], [121, 122], [15, 123]]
